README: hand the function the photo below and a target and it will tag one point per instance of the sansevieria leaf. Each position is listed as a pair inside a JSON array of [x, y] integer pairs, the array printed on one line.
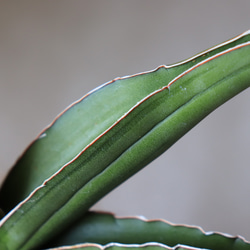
[[110, 134]]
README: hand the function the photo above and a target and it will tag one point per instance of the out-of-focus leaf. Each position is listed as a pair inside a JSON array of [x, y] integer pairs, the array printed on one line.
[[103, 228]]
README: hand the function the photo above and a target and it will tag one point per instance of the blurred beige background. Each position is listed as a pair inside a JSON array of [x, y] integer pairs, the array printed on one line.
[[54, 51]]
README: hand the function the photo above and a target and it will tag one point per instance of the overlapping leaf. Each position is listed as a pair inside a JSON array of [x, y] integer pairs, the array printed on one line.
[[109, 135], [103, 228]]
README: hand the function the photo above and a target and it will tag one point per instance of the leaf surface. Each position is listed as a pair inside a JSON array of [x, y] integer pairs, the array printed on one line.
[[103, 228], [109, 135]]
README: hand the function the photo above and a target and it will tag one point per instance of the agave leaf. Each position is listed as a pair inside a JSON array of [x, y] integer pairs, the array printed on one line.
[[117, 246], [103, 228], [110, 134]]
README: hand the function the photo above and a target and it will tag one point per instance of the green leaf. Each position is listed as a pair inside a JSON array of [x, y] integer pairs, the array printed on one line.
[[116, 246], [103, 228], [109, 135]]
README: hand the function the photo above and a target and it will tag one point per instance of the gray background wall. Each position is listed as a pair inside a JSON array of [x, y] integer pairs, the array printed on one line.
[[53, 52]]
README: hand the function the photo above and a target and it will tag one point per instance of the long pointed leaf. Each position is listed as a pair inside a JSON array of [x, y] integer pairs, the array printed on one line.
[[109, 135], [103, 228]]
